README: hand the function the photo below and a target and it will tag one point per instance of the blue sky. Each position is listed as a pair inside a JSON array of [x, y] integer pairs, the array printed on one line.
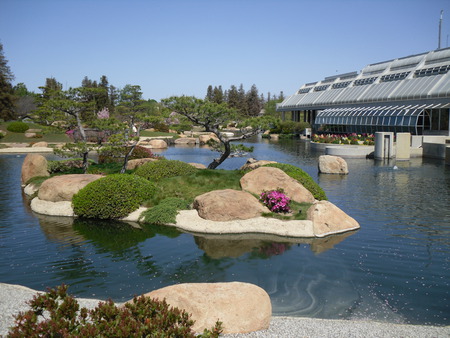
[[175, 47]]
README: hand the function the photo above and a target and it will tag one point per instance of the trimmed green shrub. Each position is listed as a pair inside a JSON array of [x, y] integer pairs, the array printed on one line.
[[64, 166], [141, 317], [17, 127], [154, 171], [304, 178], [165, 212], [114, 196]]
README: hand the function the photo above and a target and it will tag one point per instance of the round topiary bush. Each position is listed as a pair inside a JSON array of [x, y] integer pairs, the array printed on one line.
[[17, 127], [154, 171], [304, 178], [114, 196]]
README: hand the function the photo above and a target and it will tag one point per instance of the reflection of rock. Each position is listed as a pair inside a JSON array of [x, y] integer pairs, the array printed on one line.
[[227, 205], [329, 219], [59, 229], [34, 165], [319, 245], [218, 248], [241, 307], [268, 178], [221, 246]]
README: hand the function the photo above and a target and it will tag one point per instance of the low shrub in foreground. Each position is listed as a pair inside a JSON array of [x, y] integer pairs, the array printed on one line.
[[57, 314], [17, 127], [113, 157], [165, 212], [304, 178], [114, 196], [154, 171]]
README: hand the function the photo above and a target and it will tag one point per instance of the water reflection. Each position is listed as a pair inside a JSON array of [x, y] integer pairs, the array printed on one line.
[[261, 245]]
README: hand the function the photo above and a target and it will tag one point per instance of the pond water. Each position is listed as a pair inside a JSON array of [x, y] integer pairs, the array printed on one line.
[[394, 269]]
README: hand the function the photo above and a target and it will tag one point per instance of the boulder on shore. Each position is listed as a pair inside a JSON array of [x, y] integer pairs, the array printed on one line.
[[253, 164], [40, 144], [227, 205], [186, 141], [268, 178], [241, 307], [329, 164], [34, 165], [203, 139], [197, 165], [158, 144], [62, 188], [328, 219], [61, 208], [133, 164]]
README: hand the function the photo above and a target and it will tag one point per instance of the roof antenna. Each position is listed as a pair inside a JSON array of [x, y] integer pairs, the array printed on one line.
[[440, 28]]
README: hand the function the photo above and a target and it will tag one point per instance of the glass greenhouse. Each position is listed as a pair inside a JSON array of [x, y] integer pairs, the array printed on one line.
[[410, 94]]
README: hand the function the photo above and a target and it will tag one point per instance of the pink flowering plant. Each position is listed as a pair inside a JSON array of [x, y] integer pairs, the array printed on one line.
[[276, 200]]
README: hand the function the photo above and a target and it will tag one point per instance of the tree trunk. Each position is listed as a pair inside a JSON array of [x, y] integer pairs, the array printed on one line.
[[125, 160], [217, 161], [85, 162]]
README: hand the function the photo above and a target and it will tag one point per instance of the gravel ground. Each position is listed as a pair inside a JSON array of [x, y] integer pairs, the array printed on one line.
[[13, 299]]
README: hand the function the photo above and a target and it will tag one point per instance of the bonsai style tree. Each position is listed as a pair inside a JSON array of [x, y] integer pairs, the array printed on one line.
[[211, 116]]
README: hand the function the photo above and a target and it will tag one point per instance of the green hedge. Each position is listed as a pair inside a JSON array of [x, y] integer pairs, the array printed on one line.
[[304, 178], [17, 127], [114, 196], [154, 171]]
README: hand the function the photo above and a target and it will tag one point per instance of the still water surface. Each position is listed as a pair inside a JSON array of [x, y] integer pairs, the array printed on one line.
[[395, 268]]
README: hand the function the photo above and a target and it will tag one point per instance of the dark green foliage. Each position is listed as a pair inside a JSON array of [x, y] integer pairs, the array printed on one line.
[[114, 196], [64, 166], [17, 127], [165, 212], [1, 135], [161, 127], [141, 317], [289, 127], [303, 177], [154, 171], [138, 152]]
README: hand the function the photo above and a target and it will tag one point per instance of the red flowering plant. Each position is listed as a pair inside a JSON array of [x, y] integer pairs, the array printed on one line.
[[276, 200]]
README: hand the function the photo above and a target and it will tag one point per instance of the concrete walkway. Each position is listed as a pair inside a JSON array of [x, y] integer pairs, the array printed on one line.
[[13, 299]]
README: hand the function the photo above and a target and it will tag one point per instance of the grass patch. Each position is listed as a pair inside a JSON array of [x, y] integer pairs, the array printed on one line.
[[298, 212], [48, 135], [188, 187]]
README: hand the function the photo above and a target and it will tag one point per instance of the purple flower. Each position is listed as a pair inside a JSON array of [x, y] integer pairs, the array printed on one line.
[[276, 200]]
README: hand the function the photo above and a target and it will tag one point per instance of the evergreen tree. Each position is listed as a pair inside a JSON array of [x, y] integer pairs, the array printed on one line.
[[218, 95], [209, 94], [233, 98], [253, 102], [242, 106], [25, 103], [7, 97]]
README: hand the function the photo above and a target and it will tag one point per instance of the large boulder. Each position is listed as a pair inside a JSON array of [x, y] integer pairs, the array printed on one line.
[[227, 205], [328, 219], [133, 164], [268, 178], [186, 141], [241, 307], [253, 164], [34, 165], [61, 208], [158, 144], [203, 139], [40, 144], [329, 164], [62, 188]]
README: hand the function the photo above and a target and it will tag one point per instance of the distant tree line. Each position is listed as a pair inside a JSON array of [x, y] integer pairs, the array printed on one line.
[[247, 103]]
